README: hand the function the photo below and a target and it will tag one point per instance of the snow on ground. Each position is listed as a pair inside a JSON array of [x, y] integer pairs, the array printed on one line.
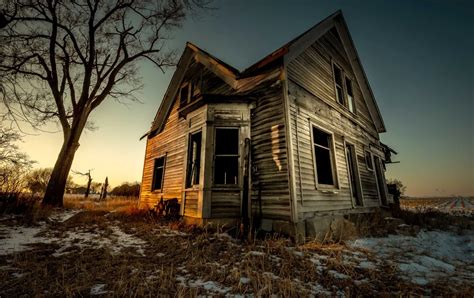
[[98, 289], [63, 215], [211, 287], [428, 256], [16, 239]]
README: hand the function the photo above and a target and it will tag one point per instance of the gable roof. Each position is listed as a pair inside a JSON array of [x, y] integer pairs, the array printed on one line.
[[296, 46], [282, 55], [223, 70]]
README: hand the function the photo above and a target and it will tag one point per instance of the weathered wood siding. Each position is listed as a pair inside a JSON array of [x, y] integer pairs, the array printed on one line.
[[191, 203], [225, 203], [170, 142], [312, 70], [270, 181], [312, 101]]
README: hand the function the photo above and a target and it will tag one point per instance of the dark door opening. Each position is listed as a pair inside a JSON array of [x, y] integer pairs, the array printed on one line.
[[380, 180], [356, 192]]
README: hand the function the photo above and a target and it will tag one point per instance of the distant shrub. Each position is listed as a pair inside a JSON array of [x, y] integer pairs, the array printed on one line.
[[126, 190]]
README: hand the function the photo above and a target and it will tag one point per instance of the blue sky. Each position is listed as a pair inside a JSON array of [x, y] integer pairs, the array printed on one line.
[[417, 56]]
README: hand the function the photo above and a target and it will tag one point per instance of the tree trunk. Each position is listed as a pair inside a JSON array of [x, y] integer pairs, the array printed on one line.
[[57, 183]]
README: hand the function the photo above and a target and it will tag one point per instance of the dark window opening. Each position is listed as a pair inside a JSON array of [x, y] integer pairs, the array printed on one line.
[[338, 81], [226, 161], [368, 160], [323, 156], [158, 173], [350, 96], [184, 94], [194, 159]]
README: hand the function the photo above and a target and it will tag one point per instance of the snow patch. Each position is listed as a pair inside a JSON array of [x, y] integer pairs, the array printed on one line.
[[255, 253], [211, 286], [98, 289], [18, 239], [426, 257]]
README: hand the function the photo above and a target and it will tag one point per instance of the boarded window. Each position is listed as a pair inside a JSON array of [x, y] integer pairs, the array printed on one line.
[[323, 156], [350, 96], [338, 82], [194, 159], [226, 157], [158, 173], [368, 160]]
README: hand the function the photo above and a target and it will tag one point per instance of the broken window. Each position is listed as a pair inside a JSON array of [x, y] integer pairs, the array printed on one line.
[[368, 160], [226, 157], [338, 82], [322, 143], [350, 96], [158, 173], [194, 159]]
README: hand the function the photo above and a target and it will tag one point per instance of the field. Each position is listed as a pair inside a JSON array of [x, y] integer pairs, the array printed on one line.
[[114, 249], [451, 205]]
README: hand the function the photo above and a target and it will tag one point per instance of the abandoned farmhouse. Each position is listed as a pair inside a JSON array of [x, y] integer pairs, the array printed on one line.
[[289, 142]]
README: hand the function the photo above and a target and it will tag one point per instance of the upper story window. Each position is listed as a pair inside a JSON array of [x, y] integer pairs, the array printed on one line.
[[158, 173], [323, 157], [344, 89], [226, 157], [190, 91], [184, 94], [339, 86], [350, 96]]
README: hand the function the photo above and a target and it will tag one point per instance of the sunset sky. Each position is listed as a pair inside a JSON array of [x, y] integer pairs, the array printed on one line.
[[418, 56]]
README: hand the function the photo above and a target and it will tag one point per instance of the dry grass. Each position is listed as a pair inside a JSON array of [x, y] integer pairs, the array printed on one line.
[[176, 256], [116, 204]]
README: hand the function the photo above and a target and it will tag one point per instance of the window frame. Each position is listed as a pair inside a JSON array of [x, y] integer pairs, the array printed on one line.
[[188, 156], [371, 156], [238, 155], [153, 189], [335, 174], [187, 101], [345, 94], [347, 78], [334, 66]]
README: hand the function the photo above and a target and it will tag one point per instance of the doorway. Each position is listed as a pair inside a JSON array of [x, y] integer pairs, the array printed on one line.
[[356, 191], [380, 180]]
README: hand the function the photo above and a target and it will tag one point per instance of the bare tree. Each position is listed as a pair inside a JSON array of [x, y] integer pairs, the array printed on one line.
[[62, 58], [37, 180], [14, 164], [10, 154]]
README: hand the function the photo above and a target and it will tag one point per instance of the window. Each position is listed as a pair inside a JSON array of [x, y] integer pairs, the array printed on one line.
[[338, 82], [184, 94], [226, 158], [194, 159], [158, 173], [322, 143], [368, 160], [350, 96]]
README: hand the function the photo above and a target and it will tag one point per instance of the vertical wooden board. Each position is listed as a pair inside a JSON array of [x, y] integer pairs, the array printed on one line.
[[270, 183]]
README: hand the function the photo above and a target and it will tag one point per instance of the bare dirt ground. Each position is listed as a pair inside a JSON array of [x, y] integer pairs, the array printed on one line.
[[113, 249]]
